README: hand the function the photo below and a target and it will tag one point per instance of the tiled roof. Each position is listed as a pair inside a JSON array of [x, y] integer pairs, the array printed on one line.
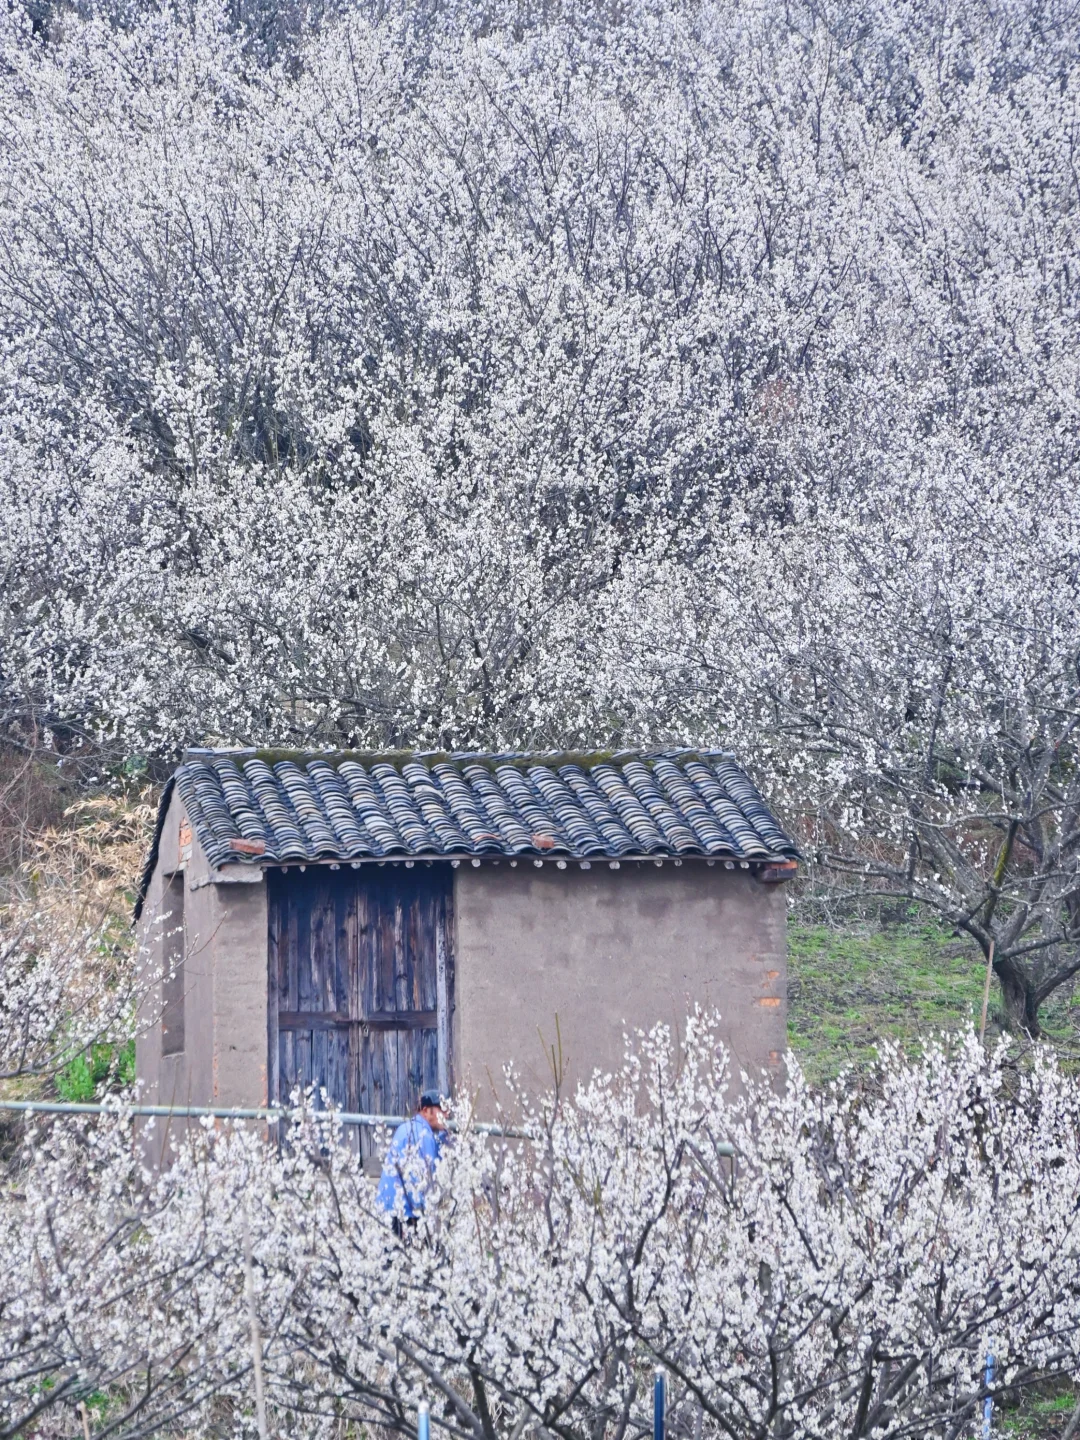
[[264, 807]]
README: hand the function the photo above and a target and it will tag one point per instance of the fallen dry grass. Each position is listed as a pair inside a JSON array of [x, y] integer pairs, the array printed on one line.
[[83, 871], [67, 952]]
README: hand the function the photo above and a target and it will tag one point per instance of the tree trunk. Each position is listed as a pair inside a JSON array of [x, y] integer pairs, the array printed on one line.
[[1018, 994]]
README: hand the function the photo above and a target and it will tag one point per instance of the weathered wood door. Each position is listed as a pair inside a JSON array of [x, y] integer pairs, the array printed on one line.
[[360, 984]]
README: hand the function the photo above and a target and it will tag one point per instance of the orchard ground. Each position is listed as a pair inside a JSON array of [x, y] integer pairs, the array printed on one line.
[[853, 985]]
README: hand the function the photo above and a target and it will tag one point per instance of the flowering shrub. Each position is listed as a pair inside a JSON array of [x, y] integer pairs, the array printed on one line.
[[845, 1274], [505, 374]]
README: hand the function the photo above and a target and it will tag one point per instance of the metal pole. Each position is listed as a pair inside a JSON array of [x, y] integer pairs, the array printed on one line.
[[232, 1112], [223, 1112], [220, 1112], [659, 1404], [423, 1421], [988, 1403]]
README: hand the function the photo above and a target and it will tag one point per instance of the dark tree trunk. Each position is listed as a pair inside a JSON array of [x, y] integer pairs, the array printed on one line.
[[1020, 998]]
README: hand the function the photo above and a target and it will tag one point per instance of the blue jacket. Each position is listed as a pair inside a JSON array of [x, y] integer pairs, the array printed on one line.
[[410, 1166]]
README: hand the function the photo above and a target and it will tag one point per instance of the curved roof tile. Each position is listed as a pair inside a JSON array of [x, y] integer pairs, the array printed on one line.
[[353, 806]]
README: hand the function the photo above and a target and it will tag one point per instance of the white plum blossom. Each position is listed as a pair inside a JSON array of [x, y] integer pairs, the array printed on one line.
[[845, 1274], [471, 375]]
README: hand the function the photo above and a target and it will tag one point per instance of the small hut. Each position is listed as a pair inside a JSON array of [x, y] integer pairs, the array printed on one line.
[[377, 924]]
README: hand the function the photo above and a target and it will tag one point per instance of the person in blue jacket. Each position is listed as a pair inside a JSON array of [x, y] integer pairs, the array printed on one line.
[[410, 1162]]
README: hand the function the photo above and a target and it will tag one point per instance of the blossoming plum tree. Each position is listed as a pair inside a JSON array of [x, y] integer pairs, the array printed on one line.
[[458, 376], [845, 1275]]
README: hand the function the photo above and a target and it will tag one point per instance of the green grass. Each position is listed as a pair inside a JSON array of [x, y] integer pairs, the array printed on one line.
[[1042, 1414], [851, 988], [82, 1079]]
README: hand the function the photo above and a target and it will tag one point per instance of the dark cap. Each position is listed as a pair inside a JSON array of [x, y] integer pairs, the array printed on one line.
[[430, 1097]]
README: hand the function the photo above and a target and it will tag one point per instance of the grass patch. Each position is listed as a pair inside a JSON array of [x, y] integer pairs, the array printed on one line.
[[103, 1066], [849, 989], [1042, 1414]]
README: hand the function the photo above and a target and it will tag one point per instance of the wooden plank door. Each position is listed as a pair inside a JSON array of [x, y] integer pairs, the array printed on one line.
[[312, 949], [403, 926], [360, 987]]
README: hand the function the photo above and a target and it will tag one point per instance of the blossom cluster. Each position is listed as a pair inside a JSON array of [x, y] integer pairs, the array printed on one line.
[[846, 1272], [496, 375], [461, 375]]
